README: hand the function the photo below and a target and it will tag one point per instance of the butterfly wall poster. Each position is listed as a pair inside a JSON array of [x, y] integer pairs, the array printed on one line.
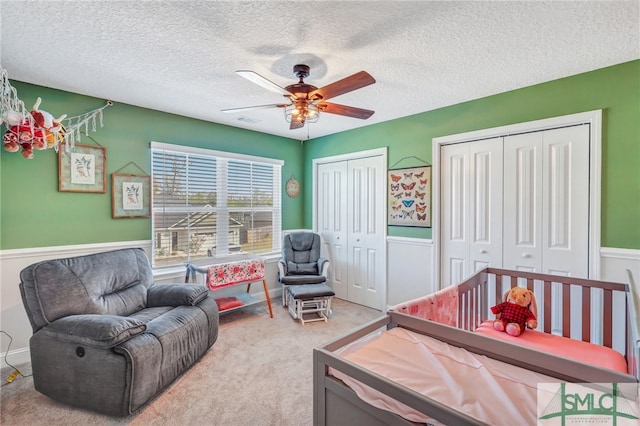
[[409, 197], [408, 187]]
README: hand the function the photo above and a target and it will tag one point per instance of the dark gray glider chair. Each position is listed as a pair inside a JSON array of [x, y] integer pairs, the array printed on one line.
[[105, 338], [303, 275]]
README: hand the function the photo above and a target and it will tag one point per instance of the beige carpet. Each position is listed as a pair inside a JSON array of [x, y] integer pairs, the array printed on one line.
[[259, 372]]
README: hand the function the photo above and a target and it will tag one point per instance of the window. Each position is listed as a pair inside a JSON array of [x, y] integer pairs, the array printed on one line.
[[209, 204]]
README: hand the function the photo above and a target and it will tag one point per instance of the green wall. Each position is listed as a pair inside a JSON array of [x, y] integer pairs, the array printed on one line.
[[34, 214], [615, 90]]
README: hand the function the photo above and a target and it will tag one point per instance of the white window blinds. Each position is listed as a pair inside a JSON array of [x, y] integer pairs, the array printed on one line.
[[209, 204]]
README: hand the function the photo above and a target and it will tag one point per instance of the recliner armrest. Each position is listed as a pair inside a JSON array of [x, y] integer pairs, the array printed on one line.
[[282, 267], [175, 295], [323, 266], [102, 331]]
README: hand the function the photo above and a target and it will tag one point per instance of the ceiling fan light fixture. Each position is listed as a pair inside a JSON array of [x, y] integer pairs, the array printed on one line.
[[302, 112]]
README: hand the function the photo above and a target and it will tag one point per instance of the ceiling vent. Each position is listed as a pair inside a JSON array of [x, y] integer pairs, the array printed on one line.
[[248, 120]]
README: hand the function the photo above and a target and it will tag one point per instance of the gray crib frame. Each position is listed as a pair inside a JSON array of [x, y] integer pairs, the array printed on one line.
[[336, 404]]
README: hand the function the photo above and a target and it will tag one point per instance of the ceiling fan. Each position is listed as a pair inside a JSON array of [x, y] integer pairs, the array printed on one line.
[[306, 102]]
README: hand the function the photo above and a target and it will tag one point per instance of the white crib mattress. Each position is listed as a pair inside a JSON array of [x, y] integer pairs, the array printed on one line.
[[489, 390]]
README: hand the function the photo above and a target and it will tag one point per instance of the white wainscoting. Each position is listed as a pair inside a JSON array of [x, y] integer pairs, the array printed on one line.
[[615, 262], [409, 269], [13, 318], [409, 275]]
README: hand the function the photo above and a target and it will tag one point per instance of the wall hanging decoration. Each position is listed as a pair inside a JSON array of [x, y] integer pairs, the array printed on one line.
[[409, 198], [130, 194], [82, 169], [292, 187], [28, 130]]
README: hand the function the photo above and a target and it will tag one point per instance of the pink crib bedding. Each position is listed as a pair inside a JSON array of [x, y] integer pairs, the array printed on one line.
[[578, 350], [442, 307], [489, 390]]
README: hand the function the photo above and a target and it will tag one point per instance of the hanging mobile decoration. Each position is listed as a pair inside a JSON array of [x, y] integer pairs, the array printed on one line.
[[37, 129]]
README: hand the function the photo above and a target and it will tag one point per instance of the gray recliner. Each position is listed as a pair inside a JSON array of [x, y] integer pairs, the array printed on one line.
[[301, 262], [105, 338]]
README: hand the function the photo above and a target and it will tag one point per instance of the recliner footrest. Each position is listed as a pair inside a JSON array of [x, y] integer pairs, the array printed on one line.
[[308, 299]]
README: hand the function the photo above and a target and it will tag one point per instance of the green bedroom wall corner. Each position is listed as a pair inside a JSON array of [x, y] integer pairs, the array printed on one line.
[[33, 213], [614, 89]]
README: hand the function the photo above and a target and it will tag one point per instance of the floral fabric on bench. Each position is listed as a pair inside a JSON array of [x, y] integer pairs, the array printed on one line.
[[235, 272]]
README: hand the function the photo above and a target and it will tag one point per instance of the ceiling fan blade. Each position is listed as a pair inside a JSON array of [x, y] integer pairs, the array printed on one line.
[[251, 108], [296, 125], [261, 81], [349, 111], [347, 84]]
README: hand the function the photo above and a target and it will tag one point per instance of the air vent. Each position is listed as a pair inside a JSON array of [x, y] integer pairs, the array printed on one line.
[[248, 120]]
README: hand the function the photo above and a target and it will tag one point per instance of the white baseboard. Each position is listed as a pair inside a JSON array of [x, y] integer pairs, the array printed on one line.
[[16, 358]]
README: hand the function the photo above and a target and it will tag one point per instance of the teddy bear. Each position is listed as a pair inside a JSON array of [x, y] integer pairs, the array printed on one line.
[[518, 311]]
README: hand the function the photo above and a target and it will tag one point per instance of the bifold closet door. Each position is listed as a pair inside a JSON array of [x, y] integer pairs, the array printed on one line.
[[471, 227], [546, 201], [366, 255], [331, 211]]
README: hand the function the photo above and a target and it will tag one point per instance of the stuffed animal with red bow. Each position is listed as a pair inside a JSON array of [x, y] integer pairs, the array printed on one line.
[[518, 311], [37, 131]]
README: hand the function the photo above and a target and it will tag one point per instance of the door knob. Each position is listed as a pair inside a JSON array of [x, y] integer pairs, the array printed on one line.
[[483, 251], [525, 255]]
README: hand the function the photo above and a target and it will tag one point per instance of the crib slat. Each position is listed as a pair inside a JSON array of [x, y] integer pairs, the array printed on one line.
[[566, 310], [498, 288], [460, 308], [586, 314], [607, 319], [472, 311], [483, 302], [514, 282], [530, 284], [547, 306]]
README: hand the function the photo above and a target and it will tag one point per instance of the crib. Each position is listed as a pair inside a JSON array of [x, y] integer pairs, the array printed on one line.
[[596, 314]]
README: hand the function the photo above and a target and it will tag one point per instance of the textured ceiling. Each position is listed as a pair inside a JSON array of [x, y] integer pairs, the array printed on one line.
[[181, 57]]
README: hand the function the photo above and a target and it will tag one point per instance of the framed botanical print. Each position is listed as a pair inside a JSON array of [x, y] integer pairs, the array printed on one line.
[[409, 197], [82, 169], [130, 196]]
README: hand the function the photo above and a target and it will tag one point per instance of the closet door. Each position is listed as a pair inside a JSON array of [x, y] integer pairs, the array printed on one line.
[[331, 213], [471, 208], [366, 254], [547, 202]]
